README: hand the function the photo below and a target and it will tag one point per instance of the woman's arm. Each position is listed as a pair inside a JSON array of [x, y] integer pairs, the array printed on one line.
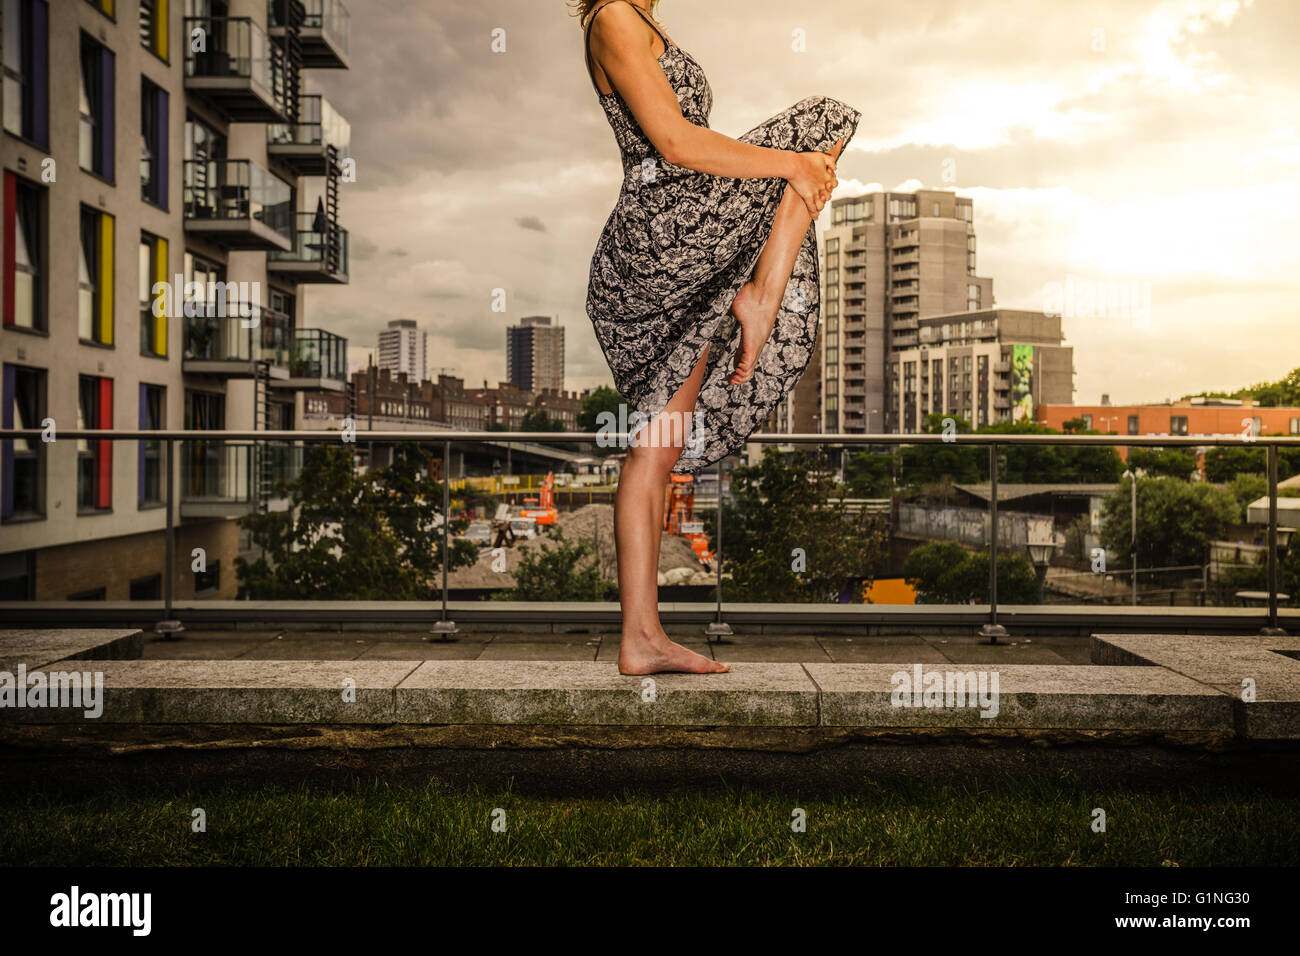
[[619, 44]]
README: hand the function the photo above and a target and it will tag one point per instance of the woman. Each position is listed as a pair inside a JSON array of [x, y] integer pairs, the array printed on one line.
[[703, 291]]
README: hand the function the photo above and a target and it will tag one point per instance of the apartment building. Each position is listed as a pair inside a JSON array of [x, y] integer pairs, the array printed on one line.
[[888, 260], [986, 366], [535, 354], [170, 189], [404, 348]]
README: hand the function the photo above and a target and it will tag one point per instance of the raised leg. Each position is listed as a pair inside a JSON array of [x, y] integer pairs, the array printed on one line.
[[758, 301], [638, 526]]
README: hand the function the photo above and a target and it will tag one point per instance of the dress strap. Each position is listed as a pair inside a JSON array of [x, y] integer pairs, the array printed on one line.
[[586, 37]]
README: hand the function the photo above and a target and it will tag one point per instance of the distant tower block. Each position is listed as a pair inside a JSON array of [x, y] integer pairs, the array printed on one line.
[[535, 354]]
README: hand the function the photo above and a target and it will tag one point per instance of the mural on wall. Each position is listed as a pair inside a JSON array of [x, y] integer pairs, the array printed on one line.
[[1022, 382]]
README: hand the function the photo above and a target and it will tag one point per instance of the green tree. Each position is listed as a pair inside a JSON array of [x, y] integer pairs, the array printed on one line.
[[784, 542], [557, 574], [1176, 521], [943, 572], [602, 399], [1246, 488], [870, 473], [347, 536], [1163, 462]]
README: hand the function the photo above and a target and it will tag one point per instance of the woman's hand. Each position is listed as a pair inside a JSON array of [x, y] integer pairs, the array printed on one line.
[[814, 180]]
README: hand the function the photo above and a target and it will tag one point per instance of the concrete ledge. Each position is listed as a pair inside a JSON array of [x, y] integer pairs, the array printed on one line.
[[1226, 664], [1030, 697], [36, 648], [595, 693], [188, 692]]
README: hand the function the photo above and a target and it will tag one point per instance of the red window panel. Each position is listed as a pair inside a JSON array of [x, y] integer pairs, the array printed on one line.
[[104, 463]]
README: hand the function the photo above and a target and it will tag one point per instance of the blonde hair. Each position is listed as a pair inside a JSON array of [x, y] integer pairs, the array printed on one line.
[[583, 7]]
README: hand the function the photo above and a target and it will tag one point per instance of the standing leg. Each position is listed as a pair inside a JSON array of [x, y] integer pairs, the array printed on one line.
[[638, 527], [759, 300]]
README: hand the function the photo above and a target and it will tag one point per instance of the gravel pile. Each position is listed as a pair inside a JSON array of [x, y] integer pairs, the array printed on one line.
[[593, 524]]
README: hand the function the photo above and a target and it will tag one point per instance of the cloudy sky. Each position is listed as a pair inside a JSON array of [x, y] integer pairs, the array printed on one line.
[[1148, 148]]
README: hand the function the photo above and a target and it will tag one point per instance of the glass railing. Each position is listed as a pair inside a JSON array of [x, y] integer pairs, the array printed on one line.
[[1177, 531], [326, 248], [226, 47], [237, 189], [237, 332], [319, 354], [331, 17], [319, 124]]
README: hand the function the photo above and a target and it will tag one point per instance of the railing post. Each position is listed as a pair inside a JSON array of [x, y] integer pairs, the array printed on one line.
[[993, 630], [719, 630], [169, 628], [443, 628], [1271, 629]]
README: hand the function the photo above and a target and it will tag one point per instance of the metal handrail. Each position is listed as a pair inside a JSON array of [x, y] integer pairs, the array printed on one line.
[[719, 629]]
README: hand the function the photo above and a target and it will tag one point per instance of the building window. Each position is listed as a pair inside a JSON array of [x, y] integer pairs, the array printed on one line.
[[18, 576], [972, 298], [154, 139], [147, 589], [26, 70], [22, 460], [1132, 424], [208, 580], [94, 457], [106, 7], [94, 594], [24, 233], [1295, 426], [1178, 424], [95, 278], [153, 410], [152, 269], [97, 119], [153, 27]]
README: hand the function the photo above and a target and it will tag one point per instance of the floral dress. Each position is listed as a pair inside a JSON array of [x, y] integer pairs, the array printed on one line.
[[676, 249]]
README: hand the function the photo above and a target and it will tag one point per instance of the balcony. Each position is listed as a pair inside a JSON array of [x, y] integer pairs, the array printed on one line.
[[318, 362], [224, 479], [318, 252], [304, 146], [324, 33], [237, 204], [239, 71], [217, 479], [230, 339]]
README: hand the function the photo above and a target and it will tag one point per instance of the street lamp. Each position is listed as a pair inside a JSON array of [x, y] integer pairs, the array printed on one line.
[[1134, 474]]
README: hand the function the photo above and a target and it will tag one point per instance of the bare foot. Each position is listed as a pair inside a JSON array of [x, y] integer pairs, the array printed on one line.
[[756, 315], [659, 655]]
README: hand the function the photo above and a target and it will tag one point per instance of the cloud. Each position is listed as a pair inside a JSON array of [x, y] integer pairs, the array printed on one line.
[[1151, 140]]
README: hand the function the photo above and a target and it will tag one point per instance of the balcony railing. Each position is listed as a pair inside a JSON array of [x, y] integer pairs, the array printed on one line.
[[221, 474], [229, 338], [304, 146], [238, 204], [319, 252], [234, 65], [323, 35], [318, 360]]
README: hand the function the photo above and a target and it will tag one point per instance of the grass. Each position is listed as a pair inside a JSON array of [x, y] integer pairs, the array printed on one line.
[[895, 823]]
